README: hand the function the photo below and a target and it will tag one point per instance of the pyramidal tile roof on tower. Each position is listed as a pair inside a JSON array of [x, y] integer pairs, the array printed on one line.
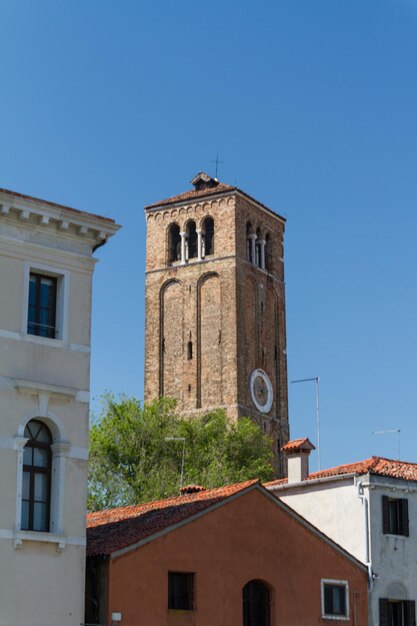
[[377, 465], [193, 194], [214, 188]]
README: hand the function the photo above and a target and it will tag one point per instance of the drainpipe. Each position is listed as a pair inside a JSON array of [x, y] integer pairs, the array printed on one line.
[[365, 504]]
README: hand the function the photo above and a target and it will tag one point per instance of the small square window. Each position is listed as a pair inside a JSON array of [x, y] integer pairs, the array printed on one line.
[[181, 591], [42, 305], [335, 599], [395, 516]]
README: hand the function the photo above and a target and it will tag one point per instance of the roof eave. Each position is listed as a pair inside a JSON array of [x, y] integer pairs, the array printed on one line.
[[234, 190]]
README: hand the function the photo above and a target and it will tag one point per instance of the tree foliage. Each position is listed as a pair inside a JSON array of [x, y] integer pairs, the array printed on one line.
[[133, 459]]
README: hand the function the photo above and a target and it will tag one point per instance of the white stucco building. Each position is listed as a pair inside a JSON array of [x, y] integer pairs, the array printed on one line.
[[370, 509], [46, 268]]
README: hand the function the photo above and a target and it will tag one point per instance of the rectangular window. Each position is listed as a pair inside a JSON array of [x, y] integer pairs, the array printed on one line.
[[395, 516], [397, 612], [180, 591], [335, 599], [42, 305]]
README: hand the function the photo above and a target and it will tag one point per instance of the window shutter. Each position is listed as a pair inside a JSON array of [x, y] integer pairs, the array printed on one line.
[[385, 515], [383, 611], [410, 613], [404, 506]]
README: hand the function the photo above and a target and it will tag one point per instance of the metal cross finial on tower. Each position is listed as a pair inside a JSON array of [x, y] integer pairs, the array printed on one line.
[[217, 163]]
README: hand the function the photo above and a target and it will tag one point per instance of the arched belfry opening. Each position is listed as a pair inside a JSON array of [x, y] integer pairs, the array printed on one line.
[[174, 243], [208, 236], [191, 234], [250, 247]]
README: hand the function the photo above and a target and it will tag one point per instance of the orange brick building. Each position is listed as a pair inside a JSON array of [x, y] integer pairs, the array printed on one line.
[[227, 557]]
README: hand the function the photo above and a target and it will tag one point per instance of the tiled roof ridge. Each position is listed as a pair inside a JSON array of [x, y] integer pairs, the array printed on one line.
[[23, 196], [119, 514], [383, 458], [194, 193], [376, 465], [298, 444], [219, 189]]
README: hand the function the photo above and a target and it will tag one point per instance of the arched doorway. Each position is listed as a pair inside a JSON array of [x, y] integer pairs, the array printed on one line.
[[256, 604]]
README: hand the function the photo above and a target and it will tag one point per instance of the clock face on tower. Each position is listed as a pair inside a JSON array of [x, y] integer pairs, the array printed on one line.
[[261, 390]]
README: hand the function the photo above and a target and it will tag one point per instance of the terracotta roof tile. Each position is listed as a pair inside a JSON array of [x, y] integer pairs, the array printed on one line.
[[219, 189], [193, 194], [114, 529], [296, 445], [374, 465]]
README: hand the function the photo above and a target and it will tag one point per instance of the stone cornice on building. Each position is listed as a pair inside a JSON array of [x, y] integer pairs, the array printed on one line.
[[36, 212]]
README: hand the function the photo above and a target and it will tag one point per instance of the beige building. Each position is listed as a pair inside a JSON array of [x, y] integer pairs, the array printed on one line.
[[215, 305], [46, 268]]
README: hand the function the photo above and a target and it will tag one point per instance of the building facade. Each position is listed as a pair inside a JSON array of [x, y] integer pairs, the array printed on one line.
[[215, 306], [46, 268], [369, 508], [229, 556]]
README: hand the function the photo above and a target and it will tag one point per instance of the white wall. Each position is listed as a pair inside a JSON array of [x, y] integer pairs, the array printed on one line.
[[334, 508]]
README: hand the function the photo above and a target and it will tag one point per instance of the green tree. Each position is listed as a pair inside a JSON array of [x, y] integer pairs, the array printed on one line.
[[132, 459]]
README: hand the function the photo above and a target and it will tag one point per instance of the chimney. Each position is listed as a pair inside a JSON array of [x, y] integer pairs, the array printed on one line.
[[188, 489], [297, 452]]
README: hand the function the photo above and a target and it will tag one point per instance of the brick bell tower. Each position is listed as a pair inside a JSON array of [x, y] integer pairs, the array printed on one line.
[[215, 306]]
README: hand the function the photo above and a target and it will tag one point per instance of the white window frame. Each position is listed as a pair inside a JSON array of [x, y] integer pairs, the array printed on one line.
[[62, 302], [339, 583]]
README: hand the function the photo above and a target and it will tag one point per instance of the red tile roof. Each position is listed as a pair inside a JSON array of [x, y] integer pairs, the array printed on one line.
[[113, 529], [298, 445], [375, 465], [196, 194], [15, 194]]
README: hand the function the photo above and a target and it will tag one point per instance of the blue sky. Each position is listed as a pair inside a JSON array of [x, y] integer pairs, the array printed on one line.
[[312, 105]]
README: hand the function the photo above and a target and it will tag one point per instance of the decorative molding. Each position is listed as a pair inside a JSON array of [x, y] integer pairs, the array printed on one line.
[[34, 387], [27, 535], [56, 217], [52, 343]]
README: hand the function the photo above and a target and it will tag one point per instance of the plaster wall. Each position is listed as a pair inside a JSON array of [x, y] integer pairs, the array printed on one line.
[[394, 562], [337, 510], [247, 538], [42, 573], [41, 586], [334, 508]]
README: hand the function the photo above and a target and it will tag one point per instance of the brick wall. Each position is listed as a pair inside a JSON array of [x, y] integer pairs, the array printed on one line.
[[209, 323]]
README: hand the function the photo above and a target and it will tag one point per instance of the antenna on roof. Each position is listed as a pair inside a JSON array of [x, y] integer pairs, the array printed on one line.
[[389, 431], [217, 163], [316, 379]]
